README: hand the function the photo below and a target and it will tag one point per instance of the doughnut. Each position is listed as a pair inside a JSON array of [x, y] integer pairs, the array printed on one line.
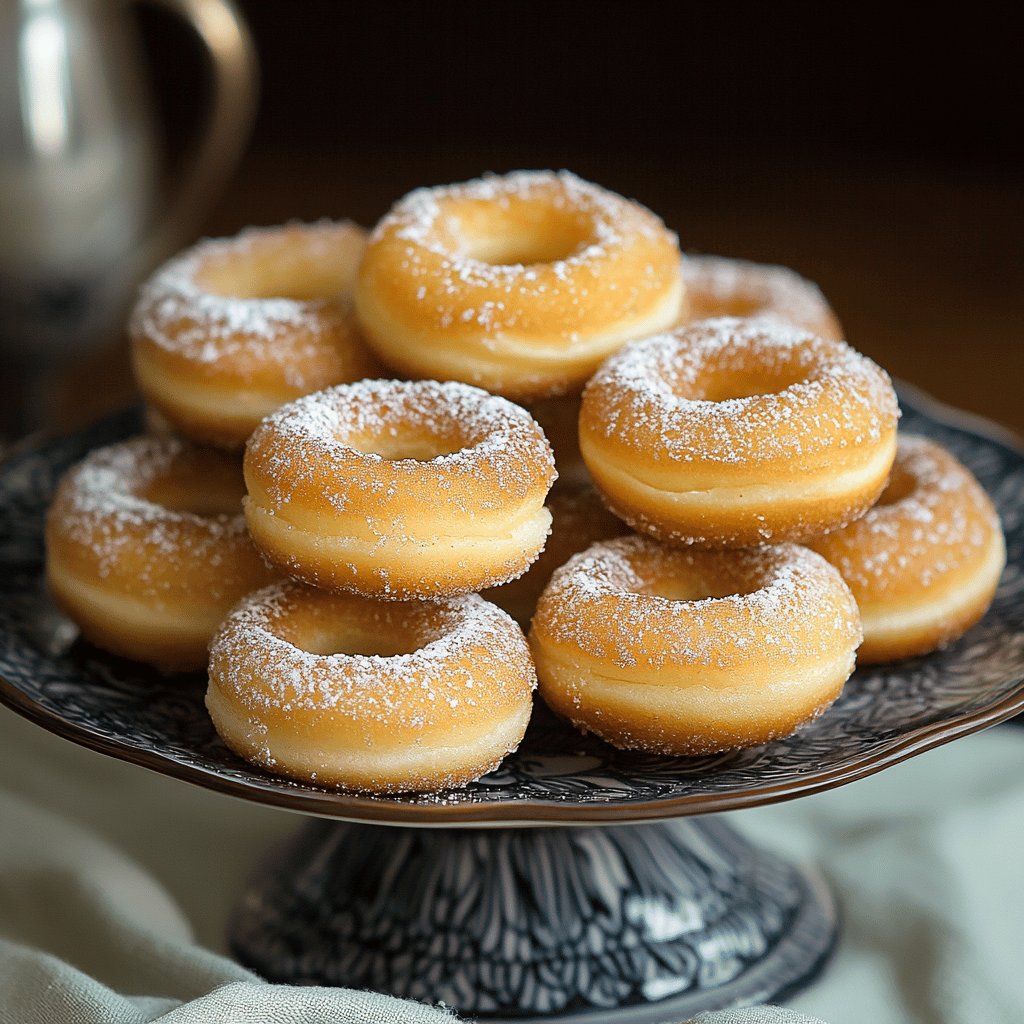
[[692, 651], [232, 328], [147, 550], [578, 519], [520, 283], [923, 564], [718, 286], [399, 489], [730, 432], [380, 696]]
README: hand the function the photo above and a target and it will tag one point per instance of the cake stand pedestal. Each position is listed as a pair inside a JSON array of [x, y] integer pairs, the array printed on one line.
[[624, 923], [576, 883]]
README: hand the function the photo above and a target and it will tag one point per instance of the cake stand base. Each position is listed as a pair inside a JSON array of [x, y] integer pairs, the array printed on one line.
[[638, 923]]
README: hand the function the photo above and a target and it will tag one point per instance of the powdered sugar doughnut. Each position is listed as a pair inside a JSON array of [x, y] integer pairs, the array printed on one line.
[[578, 519], [381, 696], [520, 283], [693, 651], [718, 286], [733, 432], [234, 327], [147, 550], [399, 489], [924, 563]]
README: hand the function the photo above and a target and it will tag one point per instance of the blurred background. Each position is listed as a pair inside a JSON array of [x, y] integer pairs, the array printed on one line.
[[876, 153]]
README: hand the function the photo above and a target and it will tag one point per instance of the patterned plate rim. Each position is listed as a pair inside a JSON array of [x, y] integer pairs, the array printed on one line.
[[530, 811]]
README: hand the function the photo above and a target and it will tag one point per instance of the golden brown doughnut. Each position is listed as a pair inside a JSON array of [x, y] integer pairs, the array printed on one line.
[[383, 696], [718, 286], [399, 489], [924, 563], [693, 651], [578, 519], [232, 328], [519, 283], [734, 432], [147, 550]]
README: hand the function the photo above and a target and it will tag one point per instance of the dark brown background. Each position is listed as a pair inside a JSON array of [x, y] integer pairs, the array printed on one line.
[[876, 153]]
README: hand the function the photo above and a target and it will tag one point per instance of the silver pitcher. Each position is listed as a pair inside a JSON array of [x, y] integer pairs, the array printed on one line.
[[79, 188]]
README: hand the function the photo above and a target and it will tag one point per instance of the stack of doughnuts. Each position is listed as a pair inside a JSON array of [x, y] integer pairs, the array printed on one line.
[[512, 405]]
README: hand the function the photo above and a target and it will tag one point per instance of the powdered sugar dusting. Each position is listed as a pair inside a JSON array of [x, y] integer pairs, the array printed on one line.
[[716, 285], [790, 603], [417, 217], [337, 427], [941, 520], [658, 387], [438, 259], [178, 314], [101, 507], [467, 650]]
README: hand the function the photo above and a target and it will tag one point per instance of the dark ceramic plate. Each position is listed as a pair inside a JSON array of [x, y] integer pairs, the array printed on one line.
[[557, 776]]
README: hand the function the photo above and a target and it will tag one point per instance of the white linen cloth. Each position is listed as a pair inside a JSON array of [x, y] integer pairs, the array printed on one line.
[[116, 884]]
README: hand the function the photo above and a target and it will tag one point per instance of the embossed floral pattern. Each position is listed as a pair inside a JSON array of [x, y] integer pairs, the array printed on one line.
[[593, 924]]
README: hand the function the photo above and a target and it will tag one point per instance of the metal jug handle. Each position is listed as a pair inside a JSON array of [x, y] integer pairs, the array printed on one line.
[[225, 128]]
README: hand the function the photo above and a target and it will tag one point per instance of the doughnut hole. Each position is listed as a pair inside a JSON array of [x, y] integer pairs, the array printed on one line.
[[524, 233], [726, 377], [683, 589], [401, 443], [343, 624], [350, 638], [300, 262], [756, 370], [681, 578], [733, 384]]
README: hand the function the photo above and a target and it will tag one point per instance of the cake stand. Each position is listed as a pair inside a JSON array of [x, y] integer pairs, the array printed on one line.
[[649, 908]]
